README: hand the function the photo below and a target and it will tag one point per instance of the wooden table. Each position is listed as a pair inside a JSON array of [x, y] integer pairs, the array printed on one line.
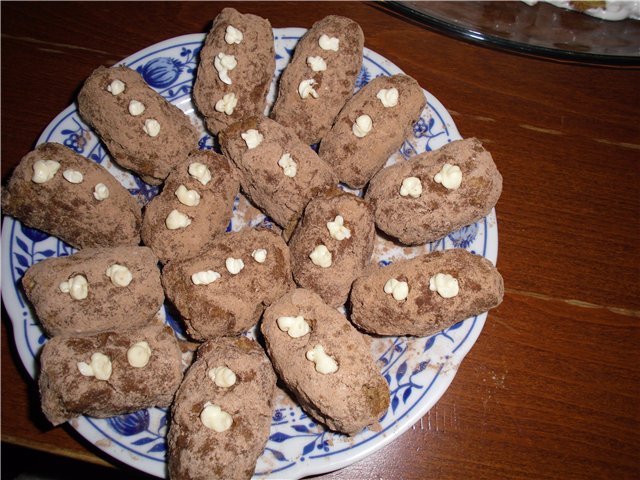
[[551, 388]]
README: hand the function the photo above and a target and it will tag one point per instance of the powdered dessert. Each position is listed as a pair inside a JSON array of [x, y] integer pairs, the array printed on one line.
[[278, 172], [236, 64], [332, 244], [94, 290], [426, 294], [104, 360], [221, 416], [437, 192], [320, 77], [66, 195], [195, 205], [371, 126], [325, 362], [224, 288], [142, 131], [109, 373]]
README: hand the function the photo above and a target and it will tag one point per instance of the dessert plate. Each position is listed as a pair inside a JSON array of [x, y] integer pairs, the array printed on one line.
[[418, 370]]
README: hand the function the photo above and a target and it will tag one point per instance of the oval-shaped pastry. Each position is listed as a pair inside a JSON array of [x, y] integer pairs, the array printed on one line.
[[325, 362], [236, 65], [196, 203], [224, 289], [371, 126], [426, 294], [95, 290], [141, 130], [66, 195], [332, 244], [221, 415], [278, 172], [436, 192], [320, 77], [110, 373]]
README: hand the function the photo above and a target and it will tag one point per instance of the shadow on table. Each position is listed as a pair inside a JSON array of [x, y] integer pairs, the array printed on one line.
[[19, 463]]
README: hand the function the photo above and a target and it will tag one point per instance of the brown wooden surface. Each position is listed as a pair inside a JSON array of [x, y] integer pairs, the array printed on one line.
[[551, 388]]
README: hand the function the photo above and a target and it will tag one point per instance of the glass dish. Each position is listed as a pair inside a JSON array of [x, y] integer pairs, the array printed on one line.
[[541, 29]]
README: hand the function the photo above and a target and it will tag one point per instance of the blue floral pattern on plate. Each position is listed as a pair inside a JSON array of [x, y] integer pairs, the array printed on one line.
[[418, 370]]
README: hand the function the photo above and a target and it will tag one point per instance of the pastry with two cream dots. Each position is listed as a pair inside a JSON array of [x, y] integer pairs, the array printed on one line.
[[339, 227], [278, 172], [425, 294], [320, 77], [92, 209], [95, 290], [371, 127], [109, 373], [236, 65], [223, 289], [435, 193], [200, 191], [142, 131], [224, 408], [324, 361]]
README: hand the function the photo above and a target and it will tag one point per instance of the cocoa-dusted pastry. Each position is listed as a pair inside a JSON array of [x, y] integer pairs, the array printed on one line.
[[142, 131], [236, 65], [325, 362], [67, 195], [278, 172], [332, 244], [95, 289], [195, 204], [320, 77], [224, 289], [110, 373], [371, 126], [221, 415], [436, 192], [426, 294]]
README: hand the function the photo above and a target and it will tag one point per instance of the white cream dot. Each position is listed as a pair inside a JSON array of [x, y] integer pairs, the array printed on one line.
[[151, 127]]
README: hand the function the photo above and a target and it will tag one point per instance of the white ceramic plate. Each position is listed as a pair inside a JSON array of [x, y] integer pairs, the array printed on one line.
[[418, 370]]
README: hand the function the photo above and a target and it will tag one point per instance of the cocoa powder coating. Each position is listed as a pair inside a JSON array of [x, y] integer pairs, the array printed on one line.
[[348, 400], [107, 306], [356, 159], [66, 393], [197, 452], [251, 77], [68, 210], [425, 312], [311, 118], [123, 134], [349, 256], [438, 210], [210, 217]]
